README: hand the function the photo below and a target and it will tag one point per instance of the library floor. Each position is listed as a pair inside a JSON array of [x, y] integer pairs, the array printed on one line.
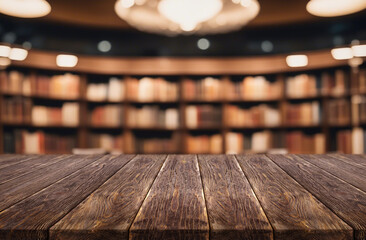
[[183, 197]]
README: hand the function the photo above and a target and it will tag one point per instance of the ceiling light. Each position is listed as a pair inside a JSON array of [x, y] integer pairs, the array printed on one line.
[[104, 46], [4, 51], [342, 53], [64, 60], [359, 50], [203, 44], [333, 8], [25, 8], [297, 60], [18, 54], [173, 17], [267, 46]]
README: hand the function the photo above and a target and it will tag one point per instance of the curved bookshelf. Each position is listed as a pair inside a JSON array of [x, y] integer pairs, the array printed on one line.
[[227, 69]]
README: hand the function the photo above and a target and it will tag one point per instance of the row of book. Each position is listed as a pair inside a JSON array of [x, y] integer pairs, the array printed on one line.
[[153, 116], [358, 109], [253, 88], [203, 116], [107, 142], [339, 112], [205, 144], [207, 89], [326, 84], [59, 86], [110, 115], [303, 114], [66, 115], [149, 89], [257, 116], [113, 91], [161, 144], [39, 142], [351, 141], [16, 110], [264, 141]]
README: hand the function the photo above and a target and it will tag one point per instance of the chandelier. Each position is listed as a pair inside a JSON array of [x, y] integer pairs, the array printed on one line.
[[173, 17]]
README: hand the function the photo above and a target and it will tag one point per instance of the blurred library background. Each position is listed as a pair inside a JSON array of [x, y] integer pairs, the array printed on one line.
[[182, 76]]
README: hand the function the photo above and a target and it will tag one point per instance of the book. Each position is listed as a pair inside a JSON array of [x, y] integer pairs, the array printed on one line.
[[153, 116], [253, 88], [112, 91], [149, 89], [66, 115], [206, 89], [303, 114], [204, 144], [109, 115], [257, 116], [203, 116]]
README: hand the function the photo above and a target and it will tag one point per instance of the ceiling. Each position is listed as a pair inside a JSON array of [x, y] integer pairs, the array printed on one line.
[[100, 13]]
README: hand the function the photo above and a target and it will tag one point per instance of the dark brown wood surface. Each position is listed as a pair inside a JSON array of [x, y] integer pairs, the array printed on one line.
[[29, 165], [356, 160], [109, 211], [293, 212], [175, 207], [8, 160], [31, 218], [231, 203], [19, 188], [69, 197], [347, 201], [353, 174]]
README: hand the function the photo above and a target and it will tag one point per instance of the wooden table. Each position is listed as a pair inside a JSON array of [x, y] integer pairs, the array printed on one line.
[[182, 197]]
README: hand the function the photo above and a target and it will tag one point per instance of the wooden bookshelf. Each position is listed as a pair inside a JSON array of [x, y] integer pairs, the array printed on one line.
[[177, 70]]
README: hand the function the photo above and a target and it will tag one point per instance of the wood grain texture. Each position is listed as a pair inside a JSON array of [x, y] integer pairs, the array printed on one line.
[[109, 211], [175, 206], [355, 175], [347, 201], [17, 170], [355, 159], [10, 159], [293, 212], [233, 209], [31, 218], [17, 189]]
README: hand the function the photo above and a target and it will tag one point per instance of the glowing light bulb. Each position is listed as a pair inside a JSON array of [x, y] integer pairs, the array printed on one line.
[[342, 53], [297, 60], [332, 8], [64, 60], [25, 8], [18, 54]]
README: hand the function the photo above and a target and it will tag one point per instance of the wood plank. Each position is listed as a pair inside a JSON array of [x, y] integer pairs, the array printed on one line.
[[293, 212], [347, 201], [14, 159], [109, 211], [355, 159], [174, 207], [350, 173], [17, 189], [233, 209], [31, 218], [17, 170]]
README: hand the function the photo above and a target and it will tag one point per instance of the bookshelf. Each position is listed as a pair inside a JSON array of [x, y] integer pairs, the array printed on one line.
[[196, 105]]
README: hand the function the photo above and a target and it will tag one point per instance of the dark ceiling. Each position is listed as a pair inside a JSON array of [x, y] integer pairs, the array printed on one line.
[[77, 26]]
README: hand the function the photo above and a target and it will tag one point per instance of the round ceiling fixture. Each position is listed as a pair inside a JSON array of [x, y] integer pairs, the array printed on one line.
[[25, 8], [334, 8], [173, 17]]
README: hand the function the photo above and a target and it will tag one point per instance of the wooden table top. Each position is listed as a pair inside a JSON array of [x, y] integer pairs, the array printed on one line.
[[182, 197]]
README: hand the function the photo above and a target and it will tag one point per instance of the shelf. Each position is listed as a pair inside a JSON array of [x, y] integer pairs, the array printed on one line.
[[53, 98], [105, 127], [29, 125], [154, 129]]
